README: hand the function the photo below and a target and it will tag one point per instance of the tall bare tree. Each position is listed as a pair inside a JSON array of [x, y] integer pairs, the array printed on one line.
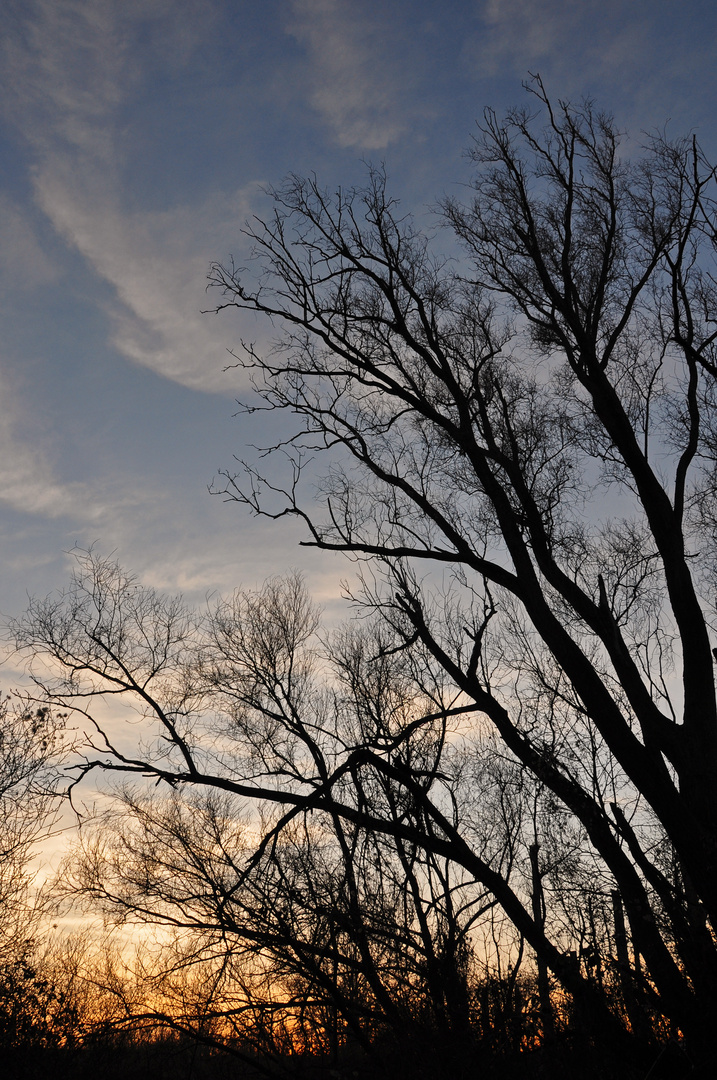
[[523, 441], [538, 422]]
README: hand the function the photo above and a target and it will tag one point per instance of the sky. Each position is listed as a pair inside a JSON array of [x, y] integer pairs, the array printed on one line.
[[137, 136]]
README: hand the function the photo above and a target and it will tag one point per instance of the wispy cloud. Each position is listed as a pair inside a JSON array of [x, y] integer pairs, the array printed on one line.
[[66, 69], [69, 82], [159, 531], [24, 263], [157, 263], [67, 79], [524, 33], [353, 81], [591, 47], [28, 481]]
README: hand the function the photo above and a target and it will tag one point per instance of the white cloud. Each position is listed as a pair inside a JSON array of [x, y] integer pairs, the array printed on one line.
[[24, 264], [157, 262], [353, 83], [158, 531], [573, 45], [66, 80], [27, 478], [66, 70], [525, 31], [176, 539]]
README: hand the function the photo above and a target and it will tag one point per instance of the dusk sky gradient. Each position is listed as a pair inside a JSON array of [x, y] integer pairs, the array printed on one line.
[[137, 136]]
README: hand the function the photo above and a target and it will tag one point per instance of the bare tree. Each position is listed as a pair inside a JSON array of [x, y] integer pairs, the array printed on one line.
[[283, 857], [523, 442], [28, 741], [538, 421]]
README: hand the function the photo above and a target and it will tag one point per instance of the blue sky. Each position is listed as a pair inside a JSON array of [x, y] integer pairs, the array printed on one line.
[[137, 135]]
